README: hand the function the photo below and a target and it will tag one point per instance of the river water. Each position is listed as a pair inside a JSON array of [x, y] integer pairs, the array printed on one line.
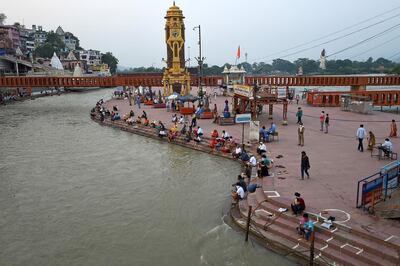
[[75, 193]]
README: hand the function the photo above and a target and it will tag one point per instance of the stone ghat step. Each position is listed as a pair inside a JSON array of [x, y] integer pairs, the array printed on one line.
[[265, 220], [320, 249], [281, 244], [348, 239], [355, 231], [151, 132]]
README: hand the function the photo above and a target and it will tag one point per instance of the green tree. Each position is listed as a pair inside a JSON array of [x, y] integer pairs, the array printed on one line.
[[53, 44], [46, 51], [283, 66], [309, 66], [109, 59]]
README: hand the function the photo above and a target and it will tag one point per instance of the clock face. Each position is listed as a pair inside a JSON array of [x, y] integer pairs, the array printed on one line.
[[175, 33]]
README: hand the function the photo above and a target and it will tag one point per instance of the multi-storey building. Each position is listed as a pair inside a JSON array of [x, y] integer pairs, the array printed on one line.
[[9, 38], [40, 35], [92, 57]]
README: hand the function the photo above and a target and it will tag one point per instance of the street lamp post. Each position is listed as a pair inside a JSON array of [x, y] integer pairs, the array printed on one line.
[[200, 60]]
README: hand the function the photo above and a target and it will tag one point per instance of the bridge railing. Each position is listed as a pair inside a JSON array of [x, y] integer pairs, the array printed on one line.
[[379, 98], [156, 80]]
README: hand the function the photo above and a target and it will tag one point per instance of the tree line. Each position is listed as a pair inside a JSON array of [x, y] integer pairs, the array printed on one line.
[[285, 67]]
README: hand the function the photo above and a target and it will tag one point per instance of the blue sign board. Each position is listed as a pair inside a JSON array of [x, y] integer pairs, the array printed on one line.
[[243, 118]]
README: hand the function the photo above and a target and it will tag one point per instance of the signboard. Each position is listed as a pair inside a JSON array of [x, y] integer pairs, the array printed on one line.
[[243, 90], [282, 93], [372, 190], [242, 118], [391, 176], [254, 133]]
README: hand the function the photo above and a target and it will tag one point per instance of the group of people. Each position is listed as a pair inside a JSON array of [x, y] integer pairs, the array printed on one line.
[[306, 225], [224, 142], [265, 134], [386, 147], [324, 120]]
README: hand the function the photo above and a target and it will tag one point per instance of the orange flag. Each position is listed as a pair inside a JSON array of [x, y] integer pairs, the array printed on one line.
[[238, 52]]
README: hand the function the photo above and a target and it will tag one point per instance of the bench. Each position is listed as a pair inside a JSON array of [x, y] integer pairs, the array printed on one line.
[[159, 105], [382, 155], [226, 121], [206, 115], [273, 135], [186, 111]]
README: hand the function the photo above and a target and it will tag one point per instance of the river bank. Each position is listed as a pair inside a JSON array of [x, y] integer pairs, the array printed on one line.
[[321, 199]]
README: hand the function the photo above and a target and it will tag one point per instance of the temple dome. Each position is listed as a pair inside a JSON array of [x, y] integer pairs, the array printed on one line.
[[56, 63], [174, 11]]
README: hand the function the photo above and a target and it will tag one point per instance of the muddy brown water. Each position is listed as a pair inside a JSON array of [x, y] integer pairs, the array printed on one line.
[[75, 193]]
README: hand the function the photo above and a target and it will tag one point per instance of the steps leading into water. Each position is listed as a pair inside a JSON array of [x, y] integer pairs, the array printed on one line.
[[341, 245]]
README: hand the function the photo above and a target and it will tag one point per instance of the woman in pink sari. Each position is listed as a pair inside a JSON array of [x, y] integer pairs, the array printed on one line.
[[393, 129]]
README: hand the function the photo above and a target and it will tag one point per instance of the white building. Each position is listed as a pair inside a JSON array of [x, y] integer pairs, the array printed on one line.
[[92, 57], [234, 75]]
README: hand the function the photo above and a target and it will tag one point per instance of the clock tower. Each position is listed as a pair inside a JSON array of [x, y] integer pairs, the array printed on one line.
[[176, 77]]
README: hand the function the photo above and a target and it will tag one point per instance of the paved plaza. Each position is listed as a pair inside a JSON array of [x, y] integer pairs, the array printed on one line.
[[336, 164]]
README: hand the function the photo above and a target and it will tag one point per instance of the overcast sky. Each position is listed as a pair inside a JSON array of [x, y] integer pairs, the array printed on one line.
[[133, 30]]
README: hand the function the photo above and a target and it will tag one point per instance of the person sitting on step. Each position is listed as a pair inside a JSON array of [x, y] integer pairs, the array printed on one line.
[[298, 205], [261, 148]]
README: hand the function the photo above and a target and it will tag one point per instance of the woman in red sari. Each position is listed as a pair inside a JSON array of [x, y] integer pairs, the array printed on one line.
[[393, 129]]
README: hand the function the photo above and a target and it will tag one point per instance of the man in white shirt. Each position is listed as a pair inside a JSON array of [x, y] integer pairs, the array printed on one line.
[[361, 134], [261, 148], [240, 192], [225, 135], [386, 147], [200, 132], [253, 161], [237, 152]]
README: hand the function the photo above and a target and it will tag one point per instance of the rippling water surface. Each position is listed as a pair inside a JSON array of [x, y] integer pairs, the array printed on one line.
[[75, 193]]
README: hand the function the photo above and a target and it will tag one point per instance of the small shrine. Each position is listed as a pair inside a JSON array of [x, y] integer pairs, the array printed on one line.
[[234, 75]]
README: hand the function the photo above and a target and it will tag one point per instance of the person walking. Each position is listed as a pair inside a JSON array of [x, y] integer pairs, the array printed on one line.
[[371, 140], [299, 114], [138, 100], [305, 165], [322, 120], [326, 123], [300, 133], [393, 129], [361, 134], [194, 121]]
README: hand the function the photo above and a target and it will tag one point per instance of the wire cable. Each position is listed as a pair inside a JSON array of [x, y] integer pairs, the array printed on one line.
[[390, 57], [365, 40], [377, 46], [343, 36]]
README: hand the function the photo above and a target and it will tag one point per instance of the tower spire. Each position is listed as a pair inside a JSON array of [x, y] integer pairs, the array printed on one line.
[[174, 3]]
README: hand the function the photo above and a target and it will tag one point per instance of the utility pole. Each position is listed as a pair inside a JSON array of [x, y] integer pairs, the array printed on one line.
[[200, 60], [312, 248]]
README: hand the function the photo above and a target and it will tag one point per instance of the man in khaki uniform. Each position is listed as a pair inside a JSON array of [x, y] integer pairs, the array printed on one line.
[[300, 132]]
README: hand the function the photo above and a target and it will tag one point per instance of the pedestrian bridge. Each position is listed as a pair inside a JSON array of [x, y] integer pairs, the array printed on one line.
[[355, 82]]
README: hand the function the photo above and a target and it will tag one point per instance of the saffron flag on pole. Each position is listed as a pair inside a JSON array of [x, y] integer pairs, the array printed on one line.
[[238, 52]]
